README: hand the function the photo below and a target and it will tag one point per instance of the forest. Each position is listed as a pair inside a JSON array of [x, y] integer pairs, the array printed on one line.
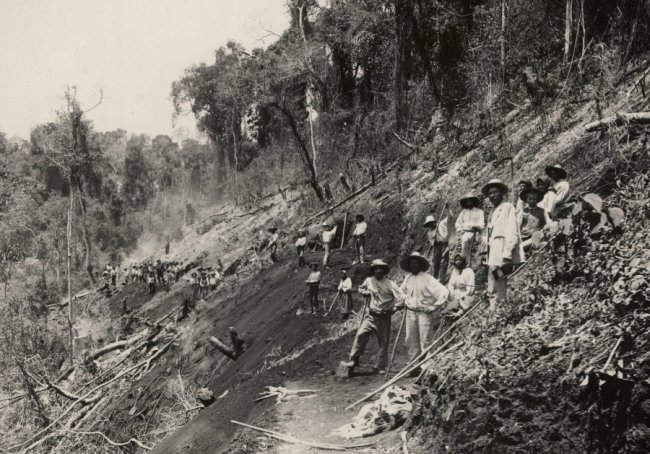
[[350, 90]]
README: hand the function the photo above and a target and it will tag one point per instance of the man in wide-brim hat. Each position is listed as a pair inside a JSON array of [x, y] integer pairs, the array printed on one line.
[[359, 235], [470, 221], [424, 296], [560, 185], [385, 299], [503, 239], [300, 244]]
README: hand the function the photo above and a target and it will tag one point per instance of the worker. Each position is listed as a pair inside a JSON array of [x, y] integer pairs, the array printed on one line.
[[469, 223], [533, 217], [345, 292], [151, 280], [437, 234], [301, 243], [548, 198], [424, 297], [359, 235], [385, 299], [560, 186], [519, 203], [503, 241], [313, 284], [327, 237], [113, 274], [461, 286], [194, 282], [273, 244]]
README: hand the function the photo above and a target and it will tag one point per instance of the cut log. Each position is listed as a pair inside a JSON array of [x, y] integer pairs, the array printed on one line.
[[620, 118], [223, 348]]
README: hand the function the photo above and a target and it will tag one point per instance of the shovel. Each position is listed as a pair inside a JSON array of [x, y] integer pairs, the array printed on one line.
[[300, 310], [345, 371], [331, 305]]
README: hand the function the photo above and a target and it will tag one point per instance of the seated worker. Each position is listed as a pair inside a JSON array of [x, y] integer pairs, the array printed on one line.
[[313, 284], [533, 218], [470, 222], [385, 300], [548, 198], [461, 286]]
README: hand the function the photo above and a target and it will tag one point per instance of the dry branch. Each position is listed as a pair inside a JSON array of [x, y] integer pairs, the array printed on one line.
[[620, 118], [114, 443]]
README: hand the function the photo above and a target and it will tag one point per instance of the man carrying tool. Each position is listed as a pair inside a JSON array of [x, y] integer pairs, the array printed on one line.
[[503, 241], [424, 297], [301, 243], [345, 291], [328, 236], [359, 235], [313, 284], [385, 300], [470, 221]]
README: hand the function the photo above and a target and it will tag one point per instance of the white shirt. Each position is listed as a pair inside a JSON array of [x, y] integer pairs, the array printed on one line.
[[345, 285], [301, 241], [470, 218], [561, 192], [383, 293], [423, 292], [440, 233], [328, 235], [461, 284], [360, 229], [274, 238]]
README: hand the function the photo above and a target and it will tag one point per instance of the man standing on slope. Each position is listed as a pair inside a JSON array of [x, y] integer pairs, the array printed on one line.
[[345, 292], [301, 243], [437, 234], [383, 294], [560, 185], [424, 297], [469, 223], [359, 235], [328, 236], [503, 241]]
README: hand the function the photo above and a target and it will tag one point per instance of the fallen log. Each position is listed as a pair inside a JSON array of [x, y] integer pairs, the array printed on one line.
[[620, 118], [223, 348]]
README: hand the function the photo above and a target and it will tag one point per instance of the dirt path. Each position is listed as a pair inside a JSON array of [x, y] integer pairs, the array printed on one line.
[[266, 311]]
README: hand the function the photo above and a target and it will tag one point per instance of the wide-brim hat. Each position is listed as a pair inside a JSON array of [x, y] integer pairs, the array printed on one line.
[[524, 183], [556, 167], [469, 198], [494, 183], [414, 256], [379, 263], [594, 201], [429, 220], [524, 194], [272, 229]]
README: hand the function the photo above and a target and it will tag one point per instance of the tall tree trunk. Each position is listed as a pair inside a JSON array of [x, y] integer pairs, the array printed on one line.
[[403, 12], [423, 52], [302, 151], [69, 266], [84, 236], [568, 27], [503, 42]]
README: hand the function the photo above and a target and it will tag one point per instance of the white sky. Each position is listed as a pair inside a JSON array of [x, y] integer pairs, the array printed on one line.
[[132, 49]]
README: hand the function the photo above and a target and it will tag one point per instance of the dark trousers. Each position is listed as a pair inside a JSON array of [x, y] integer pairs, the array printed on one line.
[[313, 297], [437, 259], [379, 326], [346, 303]]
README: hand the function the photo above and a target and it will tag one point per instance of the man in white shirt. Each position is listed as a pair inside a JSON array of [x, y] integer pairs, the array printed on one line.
[[560, 185], [503, 240], [345, 292], [470, 221], [424, 297], [359, 235], [328, 236], [301, 243], [313, 284], [437, 235], [385, 300]]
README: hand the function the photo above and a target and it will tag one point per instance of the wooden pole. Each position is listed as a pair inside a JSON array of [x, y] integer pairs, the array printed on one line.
[[345, 220], [392, 355]]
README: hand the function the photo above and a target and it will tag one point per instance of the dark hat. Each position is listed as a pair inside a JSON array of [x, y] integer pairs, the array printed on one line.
[[414, 256], [541, 181], [494, 183], [556, 167], [524, 194], [272, 229], [525, 183], [468, 199]]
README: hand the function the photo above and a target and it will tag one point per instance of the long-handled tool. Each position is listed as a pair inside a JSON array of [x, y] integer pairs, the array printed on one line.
[[399, 332], [301, 309], [345, 371], [332, 305]]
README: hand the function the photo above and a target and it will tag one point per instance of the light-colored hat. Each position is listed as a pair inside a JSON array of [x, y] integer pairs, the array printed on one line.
[[469, 197], [556, 167], [379, 263], [415, 255], [429, 220], [494, 183], [594, 200], [326, 224]]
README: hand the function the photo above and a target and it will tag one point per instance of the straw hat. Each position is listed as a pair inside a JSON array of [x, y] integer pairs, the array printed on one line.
[[524, 194], [469, 198], [558, 168], [594, 200], [494, 183], [414, 256], [429, 220], [379, 263]]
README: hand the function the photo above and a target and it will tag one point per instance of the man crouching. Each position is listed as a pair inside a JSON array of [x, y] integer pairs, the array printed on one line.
[[385, 299]]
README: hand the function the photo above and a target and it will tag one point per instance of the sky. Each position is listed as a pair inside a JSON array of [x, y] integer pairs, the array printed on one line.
[[131, 49]]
